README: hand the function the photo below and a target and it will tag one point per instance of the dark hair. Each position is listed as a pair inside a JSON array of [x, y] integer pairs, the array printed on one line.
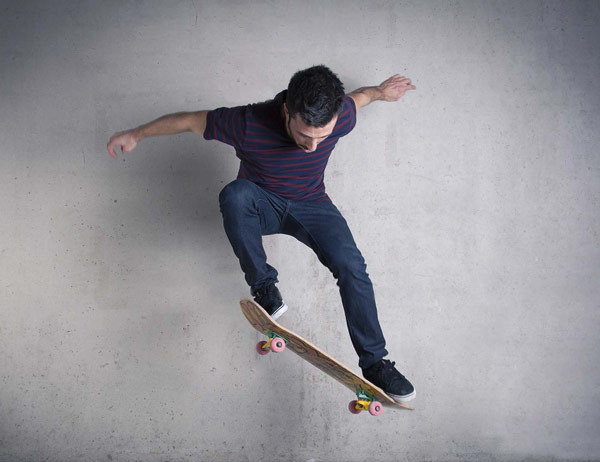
[[316, 94]]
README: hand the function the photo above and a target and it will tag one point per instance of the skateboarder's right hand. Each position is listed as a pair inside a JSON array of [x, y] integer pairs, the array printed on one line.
[[127, 140]]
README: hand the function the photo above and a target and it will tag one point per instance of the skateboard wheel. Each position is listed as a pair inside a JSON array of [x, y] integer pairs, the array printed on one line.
[[352, 407], [259, 348], [375, 408], [277, 345]]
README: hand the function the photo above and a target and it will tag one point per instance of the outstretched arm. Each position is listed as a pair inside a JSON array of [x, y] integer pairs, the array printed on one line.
[[391, 89], [169, 124]]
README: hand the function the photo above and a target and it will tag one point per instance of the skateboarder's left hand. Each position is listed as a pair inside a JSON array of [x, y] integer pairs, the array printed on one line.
[[395, 87]]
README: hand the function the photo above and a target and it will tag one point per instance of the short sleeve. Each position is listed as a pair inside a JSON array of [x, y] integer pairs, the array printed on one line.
[[227, 125], [347, 118]]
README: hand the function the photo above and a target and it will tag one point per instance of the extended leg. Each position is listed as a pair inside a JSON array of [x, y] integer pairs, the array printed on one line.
[[322, 227]]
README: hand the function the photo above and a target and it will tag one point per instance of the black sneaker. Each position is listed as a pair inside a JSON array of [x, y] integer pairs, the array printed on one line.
[[386, 376], [270, 299]]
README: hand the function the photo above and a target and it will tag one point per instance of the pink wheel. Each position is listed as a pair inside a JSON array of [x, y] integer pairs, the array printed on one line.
[[259, 348], [277, 345], [352, 407], [375, 408]]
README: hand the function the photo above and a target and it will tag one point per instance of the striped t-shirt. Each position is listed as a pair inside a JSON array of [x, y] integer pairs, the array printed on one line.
[[269, 157]]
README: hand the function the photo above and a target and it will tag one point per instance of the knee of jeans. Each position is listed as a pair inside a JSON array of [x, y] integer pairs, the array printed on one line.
[[235, 194], [348, 265]]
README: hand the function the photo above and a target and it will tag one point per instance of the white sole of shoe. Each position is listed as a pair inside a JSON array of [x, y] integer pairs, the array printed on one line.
[[279, 312], [405, 398]]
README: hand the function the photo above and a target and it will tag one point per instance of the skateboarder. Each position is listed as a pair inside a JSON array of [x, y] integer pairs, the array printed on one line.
[[283, 146]]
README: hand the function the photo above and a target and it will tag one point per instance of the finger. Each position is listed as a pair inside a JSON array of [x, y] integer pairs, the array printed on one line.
[[111, 151], [401, 83], [405, 88], [391, 80]]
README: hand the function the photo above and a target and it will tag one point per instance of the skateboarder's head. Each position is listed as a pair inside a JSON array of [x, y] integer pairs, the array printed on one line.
[[314, 99], [316, 95]]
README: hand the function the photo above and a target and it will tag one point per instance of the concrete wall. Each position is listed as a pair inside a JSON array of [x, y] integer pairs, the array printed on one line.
[[475, 201]]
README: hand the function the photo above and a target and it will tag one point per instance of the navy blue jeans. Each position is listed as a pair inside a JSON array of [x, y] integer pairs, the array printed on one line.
[[250, 212]]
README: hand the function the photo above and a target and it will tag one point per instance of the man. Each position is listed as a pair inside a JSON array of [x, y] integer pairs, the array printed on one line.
[[284, 145]]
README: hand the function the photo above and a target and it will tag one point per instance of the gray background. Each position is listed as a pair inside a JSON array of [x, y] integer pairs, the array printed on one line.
[[474, 201]]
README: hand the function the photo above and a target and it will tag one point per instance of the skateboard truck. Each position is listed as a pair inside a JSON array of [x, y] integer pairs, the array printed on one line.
[[276, 344], [365, 402]]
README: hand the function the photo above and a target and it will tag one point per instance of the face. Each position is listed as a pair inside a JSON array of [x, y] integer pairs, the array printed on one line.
[[306, 136]]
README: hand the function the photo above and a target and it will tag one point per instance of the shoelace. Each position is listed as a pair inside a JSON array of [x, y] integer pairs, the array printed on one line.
[[262, 293], [388, 370]]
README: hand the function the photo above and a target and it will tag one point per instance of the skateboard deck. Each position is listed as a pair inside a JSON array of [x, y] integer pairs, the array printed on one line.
[[369, 397]]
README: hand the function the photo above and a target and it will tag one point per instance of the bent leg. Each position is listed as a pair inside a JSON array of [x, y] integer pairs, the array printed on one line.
[[249, 212]]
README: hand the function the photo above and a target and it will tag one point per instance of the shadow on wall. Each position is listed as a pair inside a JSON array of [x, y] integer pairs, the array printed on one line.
[[165, 212]]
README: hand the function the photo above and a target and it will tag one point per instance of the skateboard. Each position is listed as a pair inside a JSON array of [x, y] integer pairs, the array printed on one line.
[[368, 396]]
